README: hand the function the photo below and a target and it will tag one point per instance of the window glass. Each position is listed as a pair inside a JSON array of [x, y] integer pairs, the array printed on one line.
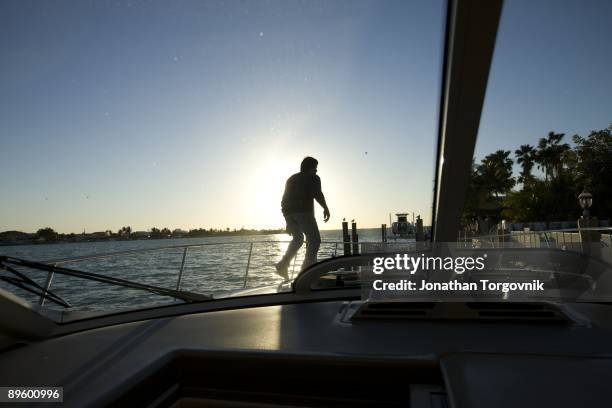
[[545, 132], [133, 125]]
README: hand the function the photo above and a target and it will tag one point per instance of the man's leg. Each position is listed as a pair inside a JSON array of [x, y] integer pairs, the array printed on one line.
[[293, 228], [308, 223]]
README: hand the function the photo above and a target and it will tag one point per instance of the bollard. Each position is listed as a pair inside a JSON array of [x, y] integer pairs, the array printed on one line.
[[346, 239], [383, 230], [354, 238], [419, 229]]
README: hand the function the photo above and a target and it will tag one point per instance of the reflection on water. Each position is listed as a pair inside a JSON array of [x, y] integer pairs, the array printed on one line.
[[209, 269]]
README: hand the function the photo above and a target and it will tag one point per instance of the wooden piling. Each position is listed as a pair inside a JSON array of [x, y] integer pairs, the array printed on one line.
[[419, 235], [355, 238], [346, 239]]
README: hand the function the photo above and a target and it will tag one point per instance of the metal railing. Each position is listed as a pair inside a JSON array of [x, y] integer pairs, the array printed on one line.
[[565, 239], [328, 249], [464, 237]]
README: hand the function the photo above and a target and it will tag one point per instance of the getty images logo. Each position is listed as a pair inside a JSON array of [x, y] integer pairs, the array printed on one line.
[[412, 264]]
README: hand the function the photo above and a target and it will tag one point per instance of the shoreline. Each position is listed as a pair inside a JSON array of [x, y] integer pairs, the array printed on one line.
[[114, 239], [117, 239]]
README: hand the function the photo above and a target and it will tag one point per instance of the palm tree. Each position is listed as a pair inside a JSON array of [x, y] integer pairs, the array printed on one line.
[[550, 153], [525, 156], [495, 172], [542, 157], [557, 152]]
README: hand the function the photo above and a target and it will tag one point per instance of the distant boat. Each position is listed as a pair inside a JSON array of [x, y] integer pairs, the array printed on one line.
[[402, 228]]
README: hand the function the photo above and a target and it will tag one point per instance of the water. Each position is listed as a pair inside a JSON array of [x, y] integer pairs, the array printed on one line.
[[216, 267]]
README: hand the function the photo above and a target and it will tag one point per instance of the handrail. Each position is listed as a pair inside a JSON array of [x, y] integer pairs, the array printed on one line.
[[48, 282], [183, 295], [180, 276], [303, 282], [185, 248], [569, 230], [169, 247], [142, 250], [54, 264], [246, 273], [61, 261]]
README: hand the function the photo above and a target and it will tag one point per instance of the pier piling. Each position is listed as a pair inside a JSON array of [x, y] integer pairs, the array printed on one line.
[[354, 238], [420, 236], [346, 239]]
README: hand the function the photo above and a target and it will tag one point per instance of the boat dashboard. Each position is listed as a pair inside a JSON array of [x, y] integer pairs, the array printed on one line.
[[276, 352], [323, 342]]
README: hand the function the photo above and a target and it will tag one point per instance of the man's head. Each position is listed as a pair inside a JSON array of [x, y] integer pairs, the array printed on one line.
[[309, 165]]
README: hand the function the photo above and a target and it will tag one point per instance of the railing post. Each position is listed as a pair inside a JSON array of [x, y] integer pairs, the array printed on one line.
[[41, 301], [246, 273], [180, 275]]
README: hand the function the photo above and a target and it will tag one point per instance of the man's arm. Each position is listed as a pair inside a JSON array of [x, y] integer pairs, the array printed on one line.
[[321, 199]]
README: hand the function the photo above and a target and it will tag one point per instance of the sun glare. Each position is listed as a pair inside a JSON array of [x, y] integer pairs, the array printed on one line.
[[266, 186]]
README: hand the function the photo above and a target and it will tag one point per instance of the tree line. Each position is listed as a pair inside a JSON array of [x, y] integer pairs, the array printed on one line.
[[48, 234], [496, 194]]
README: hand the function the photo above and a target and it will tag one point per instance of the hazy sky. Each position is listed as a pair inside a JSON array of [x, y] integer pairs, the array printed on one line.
[[193, 113]]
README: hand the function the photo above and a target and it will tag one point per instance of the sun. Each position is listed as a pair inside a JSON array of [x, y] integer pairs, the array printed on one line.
[[266, 187]]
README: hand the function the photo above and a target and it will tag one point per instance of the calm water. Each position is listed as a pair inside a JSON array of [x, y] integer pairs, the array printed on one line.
[[217, 266]]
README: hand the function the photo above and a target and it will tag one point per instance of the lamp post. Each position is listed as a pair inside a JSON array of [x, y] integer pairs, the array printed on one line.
[[586, 201], [587, 227]]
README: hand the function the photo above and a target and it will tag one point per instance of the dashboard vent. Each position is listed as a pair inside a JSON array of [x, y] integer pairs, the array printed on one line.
[[517, 311]]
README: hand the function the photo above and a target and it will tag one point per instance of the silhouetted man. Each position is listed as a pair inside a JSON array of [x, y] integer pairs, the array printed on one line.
[[298, 209]]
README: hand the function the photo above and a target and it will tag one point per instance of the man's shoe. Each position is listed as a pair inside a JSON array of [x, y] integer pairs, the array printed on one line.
[[282, 270]]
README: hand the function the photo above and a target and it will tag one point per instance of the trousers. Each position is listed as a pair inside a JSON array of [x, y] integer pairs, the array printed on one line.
[[298, 225]]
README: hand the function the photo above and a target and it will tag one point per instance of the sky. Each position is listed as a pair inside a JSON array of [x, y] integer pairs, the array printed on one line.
[[193, 114], [550, 72]]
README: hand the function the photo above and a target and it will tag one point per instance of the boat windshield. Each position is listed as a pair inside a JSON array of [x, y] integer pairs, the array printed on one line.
[[542, 167], [152, 143], [169, 152]]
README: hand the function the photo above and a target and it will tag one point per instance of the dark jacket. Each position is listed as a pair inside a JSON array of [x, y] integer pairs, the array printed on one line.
[[300, 190]]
